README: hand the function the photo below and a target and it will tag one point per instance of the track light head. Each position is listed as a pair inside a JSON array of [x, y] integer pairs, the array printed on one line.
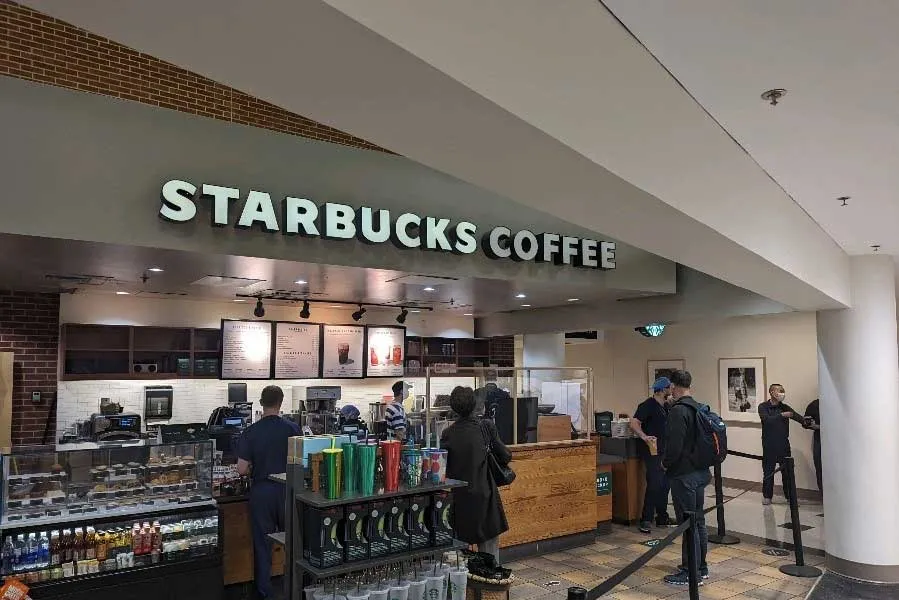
[[358, 314], [259, 311], [304, 314], [402, 316]]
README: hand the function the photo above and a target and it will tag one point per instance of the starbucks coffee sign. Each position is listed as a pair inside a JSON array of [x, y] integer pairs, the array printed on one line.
[[302, 217]]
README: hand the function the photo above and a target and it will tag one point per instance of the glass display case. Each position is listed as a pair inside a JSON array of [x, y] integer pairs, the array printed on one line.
[[138, 512], [42, 487]]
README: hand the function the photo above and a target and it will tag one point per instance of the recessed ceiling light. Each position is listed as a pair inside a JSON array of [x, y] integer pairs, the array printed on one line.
[[300, 282], [155, 269], [414, 311], [525, 306], [520, 296], [121, 293], [466, 314], [573, 299], [239, 300], [429, 289]]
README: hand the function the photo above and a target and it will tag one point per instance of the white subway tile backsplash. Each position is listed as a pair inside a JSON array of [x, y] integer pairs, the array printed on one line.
[[195, 399]]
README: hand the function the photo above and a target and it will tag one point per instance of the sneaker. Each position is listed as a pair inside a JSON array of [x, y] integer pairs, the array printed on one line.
[[766, 501], [703, 571], [663, 521], [645, 527], [682, 578]]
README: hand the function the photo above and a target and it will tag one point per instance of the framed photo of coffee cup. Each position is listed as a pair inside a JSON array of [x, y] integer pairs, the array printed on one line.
[[662, 368], [385, 348], [742, 386], [343, 352]]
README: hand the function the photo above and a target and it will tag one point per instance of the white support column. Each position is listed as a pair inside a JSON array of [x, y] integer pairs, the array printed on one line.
[[858, 376]]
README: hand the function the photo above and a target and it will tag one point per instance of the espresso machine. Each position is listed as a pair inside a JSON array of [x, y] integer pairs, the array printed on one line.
[[319, 409]]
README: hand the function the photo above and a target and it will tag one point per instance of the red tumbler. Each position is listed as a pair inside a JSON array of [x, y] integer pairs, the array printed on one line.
[[391, 452]]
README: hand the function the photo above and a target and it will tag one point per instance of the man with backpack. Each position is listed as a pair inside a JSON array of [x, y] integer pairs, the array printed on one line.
[[696, 441]]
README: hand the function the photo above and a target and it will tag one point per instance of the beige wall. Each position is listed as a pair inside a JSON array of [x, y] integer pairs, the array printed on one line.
[[788, 342]]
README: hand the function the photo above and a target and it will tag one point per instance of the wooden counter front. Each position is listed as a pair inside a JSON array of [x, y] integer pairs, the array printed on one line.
[[554, 493], [237, 545]]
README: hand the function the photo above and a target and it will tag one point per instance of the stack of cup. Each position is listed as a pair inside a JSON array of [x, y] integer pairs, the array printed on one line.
[[368, 454], [350, 466], [333, 472]]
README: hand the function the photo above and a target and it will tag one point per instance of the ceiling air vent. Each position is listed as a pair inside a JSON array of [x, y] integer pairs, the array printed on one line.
[[76, 280], [583, 337]]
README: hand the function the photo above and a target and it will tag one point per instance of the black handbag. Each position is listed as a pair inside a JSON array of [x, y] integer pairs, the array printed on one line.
[[502, 475]]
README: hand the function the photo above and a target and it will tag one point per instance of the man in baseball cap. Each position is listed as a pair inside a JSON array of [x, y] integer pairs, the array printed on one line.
[[649, 424]]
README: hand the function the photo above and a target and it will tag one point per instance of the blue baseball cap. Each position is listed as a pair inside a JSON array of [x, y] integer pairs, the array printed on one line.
[[662, 383]]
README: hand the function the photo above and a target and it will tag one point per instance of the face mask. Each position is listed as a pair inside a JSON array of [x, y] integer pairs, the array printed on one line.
[[780, 397]]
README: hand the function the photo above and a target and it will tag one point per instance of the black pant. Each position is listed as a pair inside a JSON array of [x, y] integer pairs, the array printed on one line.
[[769, 463], [656, 499], [266, 516], [688, 494], [816, 455]]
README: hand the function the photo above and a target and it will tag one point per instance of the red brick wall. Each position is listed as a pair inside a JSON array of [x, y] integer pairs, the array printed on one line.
[[29, 327], [37, 47]]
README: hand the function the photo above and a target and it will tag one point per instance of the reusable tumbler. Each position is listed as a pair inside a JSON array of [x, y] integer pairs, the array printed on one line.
[[438, 466], [309, 591], [417, 589], [360, 595], [434, 588], [380, 594], [458, 581], [367, 459], [331, 464], [391, 450], [350, 466], [400, 591], [411, 467]]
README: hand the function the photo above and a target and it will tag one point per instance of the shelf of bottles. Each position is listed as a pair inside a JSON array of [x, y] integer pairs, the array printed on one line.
[[42, 488], [40, 555]]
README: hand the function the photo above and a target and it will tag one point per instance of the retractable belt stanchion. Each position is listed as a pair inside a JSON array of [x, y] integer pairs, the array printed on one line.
[[722, 536], [577, 593], [691, 538], [800, 569]]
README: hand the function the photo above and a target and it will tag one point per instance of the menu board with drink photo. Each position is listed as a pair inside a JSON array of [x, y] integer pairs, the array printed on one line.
[[385, 351], [344, 347]]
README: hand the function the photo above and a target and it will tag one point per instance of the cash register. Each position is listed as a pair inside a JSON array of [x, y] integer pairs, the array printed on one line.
[[115, 428], [225, 425]]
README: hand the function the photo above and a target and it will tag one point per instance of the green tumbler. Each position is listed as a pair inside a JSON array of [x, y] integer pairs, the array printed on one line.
[[350, 466], [331, 464], [367, 461]]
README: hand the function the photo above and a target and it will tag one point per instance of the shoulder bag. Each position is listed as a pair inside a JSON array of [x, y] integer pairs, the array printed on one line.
[[501, 475]]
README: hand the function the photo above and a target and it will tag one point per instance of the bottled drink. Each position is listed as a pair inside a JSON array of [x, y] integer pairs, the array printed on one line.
[[31, 552], [19, 553], [43, 551], [155, 542], [90, 544], [136, 539], [66, 548], [78, 545], [102, 547], [9, 555], [55, 550]]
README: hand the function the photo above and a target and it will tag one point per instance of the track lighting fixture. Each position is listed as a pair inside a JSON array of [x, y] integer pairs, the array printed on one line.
[[358, 314], [304, 314], [402, 316], [259, 310]]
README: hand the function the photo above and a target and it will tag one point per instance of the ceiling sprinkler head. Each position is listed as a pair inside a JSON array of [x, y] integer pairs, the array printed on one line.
[[774, 96], [844, 200], [875, 247]]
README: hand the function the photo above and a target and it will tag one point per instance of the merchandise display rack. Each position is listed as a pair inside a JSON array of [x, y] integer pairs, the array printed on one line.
[[298, 498]]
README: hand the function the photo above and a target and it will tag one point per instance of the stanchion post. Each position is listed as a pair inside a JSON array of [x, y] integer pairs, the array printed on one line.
[[800, 569], [691, 538], [577, 593], [721, 537]]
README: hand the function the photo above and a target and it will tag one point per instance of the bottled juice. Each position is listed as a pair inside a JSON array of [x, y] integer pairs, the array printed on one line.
[[102, 547], [78, 545], [136, 543], [66, 549], [55, 550], [146, 539], [90, 544]]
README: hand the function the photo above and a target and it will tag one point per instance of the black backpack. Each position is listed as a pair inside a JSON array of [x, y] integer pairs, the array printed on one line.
[[711, 436]]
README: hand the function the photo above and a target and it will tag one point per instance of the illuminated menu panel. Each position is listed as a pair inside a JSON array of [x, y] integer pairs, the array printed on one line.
[[298, 350], [246, 350], [342, 356], [385, 351]]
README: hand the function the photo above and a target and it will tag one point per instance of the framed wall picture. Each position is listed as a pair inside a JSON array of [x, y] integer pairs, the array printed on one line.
[[343, 352], [742, 386], [662, 368]]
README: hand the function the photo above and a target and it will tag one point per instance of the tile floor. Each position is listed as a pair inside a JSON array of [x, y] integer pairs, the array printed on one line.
[[737, 572]]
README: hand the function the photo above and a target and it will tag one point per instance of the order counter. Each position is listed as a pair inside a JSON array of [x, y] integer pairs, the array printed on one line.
[[237, 542], [553, 497]]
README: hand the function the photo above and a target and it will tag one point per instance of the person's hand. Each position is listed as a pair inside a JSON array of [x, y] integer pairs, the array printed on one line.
[[787, 415], [648, 438]]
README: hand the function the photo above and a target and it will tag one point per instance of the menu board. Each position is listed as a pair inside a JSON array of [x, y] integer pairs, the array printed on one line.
[[343, 351], [385, 351], [246, 350], [298, 350]]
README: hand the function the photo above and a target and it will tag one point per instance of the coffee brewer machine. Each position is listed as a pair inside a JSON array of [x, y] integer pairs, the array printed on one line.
[[319, 409]]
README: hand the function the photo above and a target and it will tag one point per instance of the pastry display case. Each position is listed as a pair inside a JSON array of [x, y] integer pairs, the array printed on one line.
[[125, 514]]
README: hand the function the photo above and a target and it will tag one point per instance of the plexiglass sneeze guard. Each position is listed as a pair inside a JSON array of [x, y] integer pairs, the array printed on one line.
[[513, 397], [42, 486]]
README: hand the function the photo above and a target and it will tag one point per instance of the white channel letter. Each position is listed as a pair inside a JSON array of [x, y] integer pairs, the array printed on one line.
[[258, 207], [177, 201], [300, 212], [496, 234], [569, 249], [550, 246], [465, 240], [402, 224], [518, 245], [588, 254], [339, 221], [382, 234], [221, 201], [607, 255], [435, 234]]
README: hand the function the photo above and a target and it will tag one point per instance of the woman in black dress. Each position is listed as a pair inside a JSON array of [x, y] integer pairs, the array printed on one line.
[[478, 510]]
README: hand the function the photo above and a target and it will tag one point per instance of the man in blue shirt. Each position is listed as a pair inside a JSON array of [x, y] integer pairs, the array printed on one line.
[[262, 451], [649, 425]]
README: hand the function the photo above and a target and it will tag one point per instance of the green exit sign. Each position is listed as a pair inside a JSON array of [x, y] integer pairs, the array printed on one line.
[[604, 483]]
